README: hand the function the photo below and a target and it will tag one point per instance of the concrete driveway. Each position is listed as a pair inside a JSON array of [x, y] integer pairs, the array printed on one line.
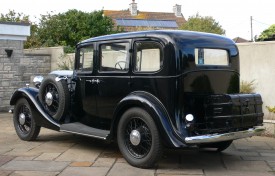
[[64, 154]]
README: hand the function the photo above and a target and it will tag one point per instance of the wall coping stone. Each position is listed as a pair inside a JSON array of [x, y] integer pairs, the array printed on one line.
[[269, 121], [14, 31], [15, 23], [36, 54]]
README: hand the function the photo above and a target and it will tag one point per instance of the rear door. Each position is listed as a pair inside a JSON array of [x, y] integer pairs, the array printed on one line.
[[113, 75]]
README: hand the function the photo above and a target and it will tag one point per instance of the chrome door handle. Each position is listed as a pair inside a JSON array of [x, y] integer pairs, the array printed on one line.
[[93, 81]]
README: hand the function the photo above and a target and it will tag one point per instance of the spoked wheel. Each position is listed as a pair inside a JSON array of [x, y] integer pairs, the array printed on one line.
[[136, 130], [23, 119], [51, 99], [54, 97], [138, 138]]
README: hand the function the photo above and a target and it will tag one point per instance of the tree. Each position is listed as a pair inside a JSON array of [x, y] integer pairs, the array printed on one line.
[[71, 27], [268, 34], [63, 29], [203, 24], [12, 16]]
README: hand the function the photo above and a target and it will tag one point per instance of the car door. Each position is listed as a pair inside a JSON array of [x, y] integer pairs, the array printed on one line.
[[113, 78], [86, 87]]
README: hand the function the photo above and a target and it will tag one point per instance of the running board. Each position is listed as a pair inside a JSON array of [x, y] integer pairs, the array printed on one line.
[[81, 129]]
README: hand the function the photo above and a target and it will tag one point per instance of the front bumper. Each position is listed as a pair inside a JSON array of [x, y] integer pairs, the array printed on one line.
[[212, 138]]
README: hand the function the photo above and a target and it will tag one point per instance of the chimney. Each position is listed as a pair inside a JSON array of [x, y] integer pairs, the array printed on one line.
[[177, 10], [133, 8]]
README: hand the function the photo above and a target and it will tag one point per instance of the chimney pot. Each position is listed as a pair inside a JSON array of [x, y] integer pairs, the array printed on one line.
[[177, 10], [133, 8]]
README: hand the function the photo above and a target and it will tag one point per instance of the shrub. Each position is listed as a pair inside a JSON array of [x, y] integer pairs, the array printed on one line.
[[271, 109], [247, 87], [65, 62]]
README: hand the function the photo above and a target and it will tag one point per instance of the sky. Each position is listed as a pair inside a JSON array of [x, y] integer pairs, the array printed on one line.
[[232, 15]]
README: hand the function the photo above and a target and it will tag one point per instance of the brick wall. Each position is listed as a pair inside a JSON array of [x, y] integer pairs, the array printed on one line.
[[18, 70]]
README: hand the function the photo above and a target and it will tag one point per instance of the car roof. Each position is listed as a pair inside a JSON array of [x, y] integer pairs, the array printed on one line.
[[165, 34]]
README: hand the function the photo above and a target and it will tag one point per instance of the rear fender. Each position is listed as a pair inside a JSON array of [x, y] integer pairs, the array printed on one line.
[[30, 94], [158, 112]]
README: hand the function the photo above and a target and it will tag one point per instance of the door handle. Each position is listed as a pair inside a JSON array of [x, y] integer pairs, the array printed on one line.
[[93, 81]]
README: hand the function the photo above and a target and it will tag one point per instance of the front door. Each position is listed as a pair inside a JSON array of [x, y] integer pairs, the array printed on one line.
[[86, 87]]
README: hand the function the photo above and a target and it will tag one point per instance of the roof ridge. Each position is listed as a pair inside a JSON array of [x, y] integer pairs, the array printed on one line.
[[144, 19], [138, 11]]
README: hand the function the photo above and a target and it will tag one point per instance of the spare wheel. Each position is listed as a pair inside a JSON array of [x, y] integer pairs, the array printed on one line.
[[54, 97]]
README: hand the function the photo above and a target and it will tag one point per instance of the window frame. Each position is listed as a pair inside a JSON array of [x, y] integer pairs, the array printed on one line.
[[128, 58], [212, 65], [161, 47], [78, 58]]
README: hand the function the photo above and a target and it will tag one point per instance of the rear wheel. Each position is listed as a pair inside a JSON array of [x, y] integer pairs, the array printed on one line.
[[138, 138], [23, 120]]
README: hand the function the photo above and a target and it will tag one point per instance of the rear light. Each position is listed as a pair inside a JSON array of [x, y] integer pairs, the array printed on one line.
[[189, 117]]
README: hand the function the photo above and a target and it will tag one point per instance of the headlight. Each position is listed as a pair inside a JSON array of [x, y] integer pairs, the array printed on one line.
[[37, 80]]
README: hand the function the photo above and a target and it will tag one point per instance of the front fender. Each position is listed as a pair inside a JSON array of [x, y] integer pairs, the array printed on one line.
[[30, 94], [158, 112]]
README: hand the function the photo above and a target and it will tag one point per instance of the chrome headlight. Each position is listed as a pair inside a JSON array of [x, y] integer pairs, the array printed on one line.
[[37, 80]]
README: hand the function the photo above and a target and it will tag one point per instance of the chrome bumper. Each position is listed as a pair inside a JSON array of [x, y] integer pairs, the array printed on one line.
[[210, 138]]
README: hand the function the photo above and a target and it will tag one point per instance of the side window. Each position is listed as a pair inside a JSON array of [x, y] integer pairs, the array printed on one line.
[[86, 55], [148, 57], [114, 57]]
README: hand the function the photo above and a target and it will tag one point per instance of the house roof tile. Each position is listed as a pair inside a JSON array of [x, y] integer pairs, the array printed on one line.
[[125, 14]]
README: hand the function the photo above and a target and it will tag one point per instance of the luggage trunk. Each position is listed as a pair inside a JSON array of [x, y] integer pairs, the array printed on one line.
[[229, 112]]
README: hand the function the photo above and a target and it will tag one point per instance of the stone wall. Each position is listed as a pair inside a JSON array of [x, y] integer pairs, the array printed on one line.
[[34, 64], [56, 54], [19, 69], [9, 70]]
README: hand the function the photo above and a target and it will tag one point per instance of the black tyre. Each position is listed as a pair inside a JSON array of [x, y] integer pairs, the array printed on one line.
[[23, 120], [138, 138], [54, 97], [220, 146]]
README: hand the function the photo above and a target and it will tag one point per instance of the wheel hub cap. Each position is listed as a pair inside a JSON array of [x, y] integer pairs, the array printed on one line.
[[22, 119], [49, 99], [135, 137]]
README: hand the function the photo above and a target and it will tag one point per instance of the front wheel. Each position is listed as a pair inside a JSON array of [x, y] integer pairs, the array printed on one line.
[[138, 138], [23, 120]]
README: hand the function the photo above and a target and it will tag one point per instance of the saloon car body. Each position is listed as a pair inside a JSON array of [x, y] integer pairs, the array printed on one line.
[[148, 89]]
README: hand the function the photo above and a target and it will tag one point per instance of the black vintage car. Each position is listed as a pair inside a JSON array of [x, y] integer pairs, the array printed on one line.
[[146, 90]]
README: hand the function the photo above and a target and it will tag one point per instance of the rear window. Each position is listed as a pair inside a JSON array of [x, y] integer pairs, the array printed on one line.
[[216, 57]]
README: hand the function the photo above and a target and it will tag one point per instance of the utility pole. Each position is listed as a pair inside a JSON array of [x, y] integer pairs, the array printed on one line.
[[251, 25]]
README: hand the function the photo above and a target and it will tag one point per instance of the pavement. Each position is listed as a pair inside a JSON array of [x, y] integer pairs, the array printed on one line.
[[55, 153]]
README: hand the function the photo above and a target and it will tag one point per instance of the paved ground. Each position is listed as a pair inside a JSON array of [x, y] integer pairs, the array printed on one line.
[[70, 155]]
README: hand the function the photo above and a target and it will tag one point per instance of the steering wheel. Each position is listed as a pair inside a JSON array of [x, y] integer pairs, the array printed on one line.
[[119, 64]]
